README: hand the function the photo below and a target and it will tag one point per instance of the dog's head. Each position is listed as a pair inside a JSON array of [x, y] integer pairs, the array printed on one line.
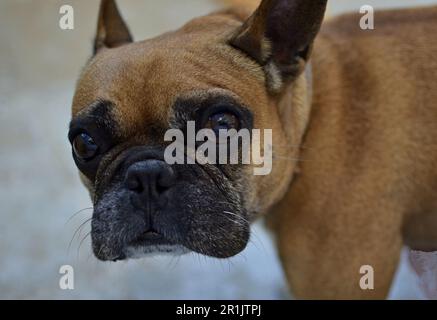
[[220, 71]]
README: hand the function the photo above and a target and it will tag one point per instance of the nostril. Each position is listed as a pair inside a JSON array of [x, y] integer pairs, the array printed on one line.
[[154, 176], [167, 178], [132, 183], [160, 190]]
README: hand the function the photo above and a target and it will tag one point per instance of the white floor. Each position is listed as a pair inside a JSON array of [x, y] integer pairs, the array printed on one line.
[[40, 190]]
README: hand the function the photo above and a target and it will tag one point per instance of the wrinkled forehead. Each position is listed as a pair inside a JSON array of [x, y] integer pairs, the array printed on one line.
[[143, 80]]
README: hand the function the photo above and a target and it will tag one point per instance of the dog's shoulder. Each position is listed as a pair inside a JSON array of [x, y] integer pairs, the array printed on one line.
[[401, 40], [397, 22]]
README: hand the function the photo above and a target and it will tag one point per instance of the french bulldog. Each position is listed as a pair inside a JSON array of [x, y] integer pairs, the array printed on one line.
[[354, 120]]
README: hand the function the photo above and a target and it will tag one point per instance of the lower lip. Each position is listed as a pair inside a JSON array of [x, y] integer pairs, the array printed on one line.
[[150, 235], [138, 252], [151, 244], [150, 238]]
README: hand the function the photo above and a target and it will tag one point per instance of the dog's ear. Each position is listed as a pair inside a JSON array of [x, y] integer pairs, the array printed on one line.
[[280, 34], [112, 31]]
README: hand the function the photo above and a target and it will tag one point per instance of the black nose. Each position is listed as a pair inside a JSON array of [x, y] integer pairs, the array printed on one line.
[[149, 178]]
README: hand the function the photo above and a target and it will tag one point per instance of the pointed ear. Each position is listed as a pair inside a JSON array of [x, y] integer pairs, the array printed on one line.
[[280, 34], [112, 31]]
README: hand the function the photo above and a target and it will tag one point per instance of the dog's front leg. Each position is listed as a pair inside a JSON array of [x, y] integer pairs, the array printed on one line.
[[326, 254]]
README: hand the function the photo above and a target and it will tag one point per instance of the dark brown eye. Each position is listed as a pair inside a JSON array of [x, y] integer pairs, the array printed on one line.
[[223, 121], [84, 147]]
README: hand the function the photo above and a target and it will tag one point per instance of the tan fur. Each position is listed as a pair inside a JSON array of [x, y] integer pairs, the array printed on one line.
[[368, 180], [355, 136], [250, 5]]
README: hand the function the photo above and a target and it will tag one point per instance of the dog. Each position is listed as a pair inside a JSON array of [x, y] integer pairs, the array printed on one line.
[[353, 116]]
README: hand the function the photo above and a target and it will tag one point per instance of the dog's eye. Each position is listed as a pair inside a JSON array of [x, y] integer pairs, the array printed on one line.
[[222, 121], [84, 147]]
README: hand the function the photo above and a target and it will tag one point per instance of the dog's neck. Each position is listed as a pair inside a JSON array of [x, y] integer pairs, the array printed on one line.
[[295, 109]]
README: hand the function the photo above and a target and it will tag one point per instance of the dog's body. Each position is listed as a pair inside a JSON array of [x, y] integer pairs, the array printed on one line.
[[354, 139], [368, 171]]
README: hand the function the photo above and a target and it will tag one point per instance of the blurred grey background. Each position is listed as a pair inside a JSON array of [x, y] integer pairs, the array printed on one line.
[[39, 186]]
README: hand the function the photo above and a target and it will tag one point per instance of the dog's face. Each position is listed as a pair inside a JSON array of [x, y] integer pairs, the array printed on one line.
[[215, 71]]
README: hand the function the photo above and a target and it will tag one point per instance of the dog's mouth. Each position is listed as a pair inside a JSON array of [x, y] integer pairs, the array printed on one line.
[[150, 242], [150, 236], [196, 214]]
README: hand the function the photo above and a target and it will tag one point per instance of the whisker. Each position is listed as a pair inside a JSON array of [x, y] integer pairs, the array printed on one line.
[[78, 212], [237, 216], [174, 262], [76, 233], [253, 232], [81, 242], [241, 224], [258, 240]]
